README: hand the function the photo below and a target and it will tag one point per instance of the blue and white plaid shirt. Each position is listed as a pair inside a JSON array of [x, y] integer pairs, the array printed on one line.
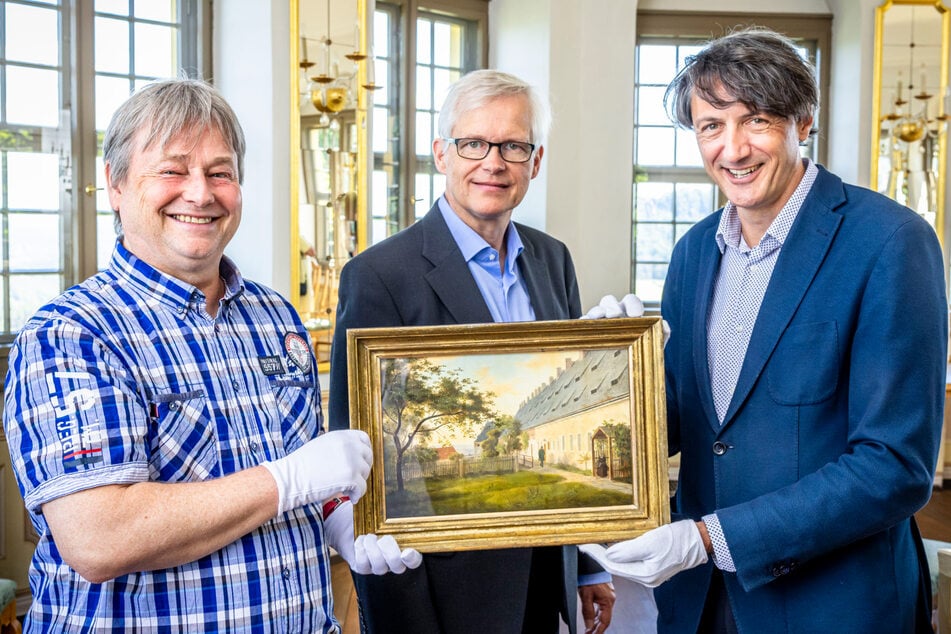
[[127, 378]]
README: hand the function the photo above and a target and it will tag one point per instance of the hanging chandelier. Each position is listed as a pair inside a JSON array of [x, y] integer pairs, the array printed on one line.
[[329, 90], [913, 127]]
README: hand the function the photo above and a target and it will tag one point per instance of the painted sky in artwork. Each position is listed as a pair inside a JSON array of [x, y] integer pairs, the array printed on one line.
[[512, 377]]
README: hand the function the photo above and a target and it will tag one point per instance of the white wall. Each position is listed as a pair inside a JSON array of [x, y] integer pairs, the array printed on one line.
[[251, 54], [849, 131], [584, 59], [528, 31]]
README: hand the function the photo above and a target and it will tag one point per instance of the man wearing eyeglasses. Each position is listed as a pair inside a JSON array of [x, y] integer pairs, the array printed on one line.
[[467, 262]]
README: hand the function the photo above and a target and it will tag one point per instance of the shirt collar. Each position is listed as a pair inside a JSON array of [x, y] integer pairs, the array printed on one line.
[[728, 231], [165, 288], [471, 244]]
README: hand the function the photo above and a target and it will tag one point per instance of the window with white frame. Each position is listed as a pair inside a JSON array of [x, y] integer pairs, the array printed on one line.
[[671, 190], [421, 48], [64, 67]]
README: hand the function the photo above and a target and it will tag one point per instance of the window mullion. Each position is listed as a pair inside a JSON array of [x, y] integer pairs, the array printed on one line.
[[407, 115], [83, 134]]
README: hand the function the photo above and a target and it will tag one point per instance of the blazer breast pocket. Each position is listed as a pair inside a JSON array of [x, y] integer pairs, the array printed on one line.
[[804, 368]]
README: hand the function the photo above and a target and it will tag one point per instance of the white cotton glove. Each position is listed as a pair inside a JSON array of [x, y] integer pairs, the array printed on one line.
[[337, 462], [338, 530], [655, 556], [382, 555], [609, 307], [630, 306], [366, 556], [666, 328]]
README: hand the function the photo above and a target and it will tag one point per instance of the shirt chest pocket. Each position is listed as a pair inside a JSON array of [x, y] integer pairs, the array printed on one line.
[[293, 403], [804, 368], [183, 439]]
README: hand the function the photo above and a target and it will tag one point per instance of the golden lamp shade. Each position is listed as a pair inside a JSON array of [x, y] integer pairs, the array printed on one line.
[[910, 131], [332, 99]]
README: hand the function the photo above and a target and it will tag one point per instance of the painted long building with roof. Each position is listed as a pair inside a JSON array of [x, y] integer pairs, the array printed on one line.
[[563, 414]]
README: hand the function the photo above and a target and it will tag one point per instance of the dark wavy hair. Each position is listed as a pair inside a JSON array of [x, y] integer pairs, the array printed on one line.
[[756, 67]]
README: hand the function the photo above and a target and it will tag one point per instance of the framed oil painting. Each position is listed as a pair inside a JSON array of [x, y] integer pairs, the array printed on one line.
[[511, 434]]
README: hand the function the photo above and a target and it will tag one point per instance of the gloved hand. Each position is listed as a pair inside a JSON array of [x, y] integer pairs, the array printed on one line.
[[609, 307], [655, 556], [629, 306], [332, 463], [338, 530], [382, 555], [365, 555]]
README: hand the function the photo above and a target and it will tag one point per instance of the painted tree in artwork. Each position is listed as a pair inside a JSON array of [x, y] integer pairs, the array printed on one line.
[[503, 437], [420, 397], [511, 440]]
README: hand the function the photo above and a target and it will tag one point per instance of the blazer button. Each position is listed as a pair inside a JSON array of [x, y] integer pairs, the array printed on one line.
[[719, 448], [782, 568]]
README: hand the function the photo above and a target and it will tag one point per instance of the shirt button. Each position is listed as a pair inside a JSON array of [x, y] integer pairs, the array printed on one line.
[[719, 448], [286, 573], [739, 327], [174, 405], [253, 445], [236, 385]]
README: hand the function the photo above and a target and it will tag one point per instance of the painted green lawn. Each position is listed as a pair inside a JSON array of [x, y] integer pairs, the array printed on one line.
[[521, 491]]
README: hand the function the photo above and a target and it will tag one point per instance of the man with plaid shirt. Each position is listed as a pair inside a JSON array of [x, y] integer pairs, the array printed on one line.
[[163, 416]]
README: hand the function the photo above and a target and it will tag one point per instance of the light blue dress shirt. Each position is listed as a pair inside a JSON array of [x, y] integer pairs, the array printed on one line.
[[503, 290]]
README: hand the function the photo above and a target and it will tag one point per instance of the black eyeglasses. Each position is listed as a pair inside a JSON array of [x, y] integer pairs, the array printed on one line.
[[477, 149]]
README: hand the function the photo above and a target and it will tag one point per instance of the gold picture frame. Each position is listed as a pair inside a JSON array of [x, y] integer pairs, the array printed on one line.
[[457, 414]]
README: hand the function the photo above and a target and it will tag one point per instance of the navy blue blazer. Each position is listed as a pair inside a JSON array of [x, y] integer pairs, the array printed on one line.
[[418, 277], [829, 444]]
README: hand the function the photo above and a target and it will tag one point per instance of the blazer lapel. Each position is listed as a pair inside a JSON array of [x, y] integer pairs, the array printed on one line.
[[450, 277], [537, 278], [708, 268], [799, 260]]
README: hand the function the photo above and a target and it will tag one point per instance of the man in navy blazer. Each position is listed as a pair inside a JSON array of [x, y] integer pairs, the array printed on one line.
[[467, 262], [805, 374]]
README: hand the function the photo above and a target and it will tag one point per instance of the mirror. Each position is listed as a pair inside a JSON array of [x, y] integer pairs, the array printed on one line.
[[911, 105], [329, 76]]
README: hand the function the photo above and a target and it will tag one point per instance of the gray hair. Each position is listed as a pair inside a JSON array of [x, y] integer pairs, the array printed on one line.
[[165, 109], [756, 67], [474, 90]]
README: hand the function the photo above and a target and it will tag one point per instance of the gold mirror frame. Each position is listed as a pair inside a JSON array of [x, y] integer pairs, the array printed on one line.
[[908, 124], [356, 168]]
